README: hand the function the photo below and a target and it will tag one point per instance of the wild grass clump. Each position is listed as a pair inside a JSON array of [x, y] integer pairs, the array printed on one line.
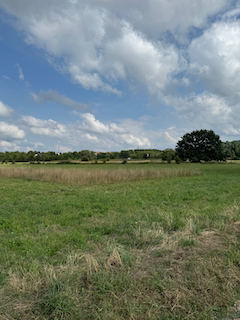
[[89, 177], [184, 281]]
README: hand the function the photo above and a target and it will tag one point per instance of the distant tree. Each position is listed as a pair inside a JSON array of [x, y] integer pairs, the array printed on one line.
[[124, 154], [168, 155], [102, 155], [86, 154], [200, 145], [31, 155]]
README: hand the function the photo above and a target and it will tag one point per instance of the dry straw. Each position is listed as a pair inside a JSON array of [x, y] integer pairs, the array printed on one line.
[[79, 177]]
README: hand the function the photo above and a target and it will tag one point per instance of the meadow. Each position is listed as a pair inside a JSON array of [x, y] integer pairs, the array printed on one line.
[[142, 241]]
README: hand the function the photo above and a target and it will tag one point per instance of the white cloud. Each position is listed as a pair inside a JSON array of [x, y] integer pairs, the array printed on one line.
[[123, 41], [10, 132], [132, 56], [52, 95], [215, 58], [38, 144], [104, 43], [63, 149], [207, 111], [91, 124], [90, 132], [6, 144], [5, 110], [151, 17], [20, 72], [44, 127], [91, 137], [7, 78], [9, 146], [206, 104]]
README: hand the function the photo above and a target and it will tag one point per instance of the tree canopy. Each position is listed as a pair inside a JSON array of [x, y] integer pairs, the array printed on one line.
[[200, 145]]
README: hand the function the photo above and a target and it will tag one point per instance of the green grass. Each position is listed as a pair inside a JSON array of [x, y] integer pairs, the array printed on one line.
[[155, 249]]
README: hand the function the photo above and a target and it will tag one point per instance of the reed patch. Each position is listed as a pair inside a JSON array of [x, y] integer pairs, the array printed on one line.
[[81, 177]]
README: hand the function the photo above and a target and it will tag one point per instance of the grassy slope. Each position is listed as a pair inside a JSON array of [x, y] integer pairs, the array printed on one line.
[[155, 249]]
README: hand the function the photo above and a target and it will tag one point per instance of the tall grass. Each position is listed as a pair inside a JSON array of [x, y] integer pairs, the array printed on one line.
[[78, 177]]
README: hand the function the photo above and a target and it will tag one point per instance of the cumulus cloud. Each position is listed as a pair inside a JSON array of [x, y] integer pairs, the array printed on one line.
[[215, 58], [9, 146], [52, 95], [44, 127], [10, 132], [151, 17], [90, 132], [91, 124], [173, 49], [6, 144], [122, 42], [5, 110], [209, 111]]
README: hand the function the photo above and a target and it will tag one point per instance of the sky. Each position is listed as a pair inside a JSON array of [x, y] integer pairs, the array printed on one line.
[[111, 75]]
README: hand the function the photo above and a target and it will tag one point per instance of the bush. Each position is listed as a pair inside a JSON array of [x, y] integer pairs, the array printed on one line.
[[124, 161], [178, 160], [169, 158], [235, 158]]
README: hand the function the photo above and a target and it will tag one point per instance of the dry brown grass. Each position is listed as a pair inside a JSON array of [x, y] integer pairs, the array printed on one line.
[[172, 280], [78, 177]]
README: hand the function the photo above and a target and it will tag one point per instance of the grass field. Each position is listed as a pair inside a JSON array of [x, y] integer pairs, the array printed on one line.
[[165, 246]]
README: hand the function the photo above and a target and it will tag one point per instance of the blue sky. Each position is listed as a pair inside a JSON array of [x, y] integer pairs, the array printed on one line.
[[108, 75]]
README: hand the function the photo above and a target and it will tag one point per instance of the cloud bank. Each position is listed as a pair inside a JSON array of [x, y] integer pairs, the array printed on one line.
[[181, 54]]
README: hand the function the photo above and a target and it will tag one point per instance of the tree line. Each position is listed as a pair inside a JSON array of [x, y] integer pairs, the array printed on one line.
[[194, 146], [86, 155]]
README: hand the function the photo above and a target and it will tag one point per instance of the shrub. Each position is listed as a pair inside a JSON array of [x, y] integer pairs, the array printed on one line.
[[124, 161], [235, 158], [169, 158], [178, 160]]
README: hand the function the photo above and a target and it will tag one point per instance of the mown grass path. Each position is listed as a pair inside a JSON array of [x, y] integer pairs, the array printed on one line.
[[153, 249]]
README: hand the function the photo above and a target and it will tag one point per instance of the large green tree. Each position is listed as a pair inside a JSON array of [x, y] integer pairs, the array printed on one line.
[[200, 145]]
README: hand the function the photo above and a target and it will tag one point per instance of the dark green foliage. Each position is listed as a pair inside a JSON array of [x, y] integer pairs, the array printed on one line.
[[231, 150], [200, 145], [168, 155], [177, 160], [124, 154], [84, 155], [124, 161]]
